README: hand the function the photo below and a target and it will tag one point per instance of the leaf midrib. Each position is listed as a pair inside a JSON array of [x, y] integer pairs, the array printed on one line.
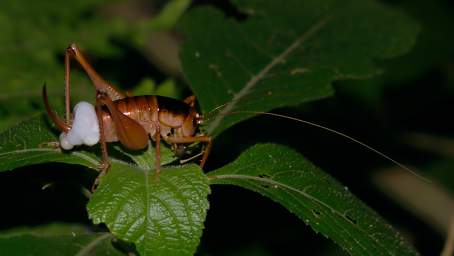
[[255, 79]]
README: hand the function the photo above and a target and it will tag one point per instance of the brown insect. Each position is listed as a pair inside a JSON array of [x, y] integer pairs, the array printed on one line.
[[132, 120]]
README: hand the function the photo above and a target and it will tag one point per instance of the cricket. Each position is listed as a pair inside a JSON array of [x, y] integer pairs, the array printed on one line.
[[131, 120], [134, 120]]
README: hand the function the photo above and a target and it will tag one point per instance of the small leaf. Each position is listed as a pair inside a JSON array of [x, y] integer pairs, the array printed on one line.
[[286, 54], [56, 239], [162, 215], [32, 142], [328, 207]]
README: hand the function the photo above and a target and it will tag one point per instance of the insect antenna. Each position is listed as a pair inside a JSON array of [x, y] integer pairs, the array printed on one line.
[[419, 176], [215, 111], [212, 113]]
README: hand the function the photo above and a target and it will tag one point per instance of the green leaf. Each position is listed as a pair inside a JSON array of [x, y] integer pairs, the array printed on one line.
[[145, 159], [56, 239], [33, 142], [286, 54], [328, 207], [162, 215]]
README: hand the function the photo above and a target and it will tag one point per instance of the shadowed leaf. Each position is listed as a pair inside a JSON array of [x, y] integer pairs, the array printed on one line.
[[286, 54], [328, 207]]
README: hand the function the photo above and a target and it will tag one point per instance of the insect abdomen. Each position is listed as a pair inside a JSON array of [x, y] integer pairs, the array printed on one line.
[[147, 111]]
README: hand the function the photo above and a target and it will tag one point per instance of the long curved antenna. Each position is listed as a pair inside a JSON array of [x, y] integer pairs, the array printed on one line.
[[337, 133]]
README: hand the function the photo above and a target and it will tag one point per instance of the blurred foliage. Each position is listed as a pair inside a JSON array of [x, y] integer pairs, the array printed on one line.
[[432, 52], [34, 36], [165, 20], [149, 87]]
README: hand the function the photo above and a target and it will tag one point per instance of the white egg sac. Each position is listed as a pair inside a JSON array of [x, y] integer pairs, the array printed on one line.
[[84, 129]]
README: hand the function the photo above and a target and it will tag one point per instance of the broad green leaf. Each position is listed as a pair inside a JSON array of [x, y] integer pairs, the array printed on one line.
[[285, 54], [32, 142], [161, 214], [328, 207], [56, 239]]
